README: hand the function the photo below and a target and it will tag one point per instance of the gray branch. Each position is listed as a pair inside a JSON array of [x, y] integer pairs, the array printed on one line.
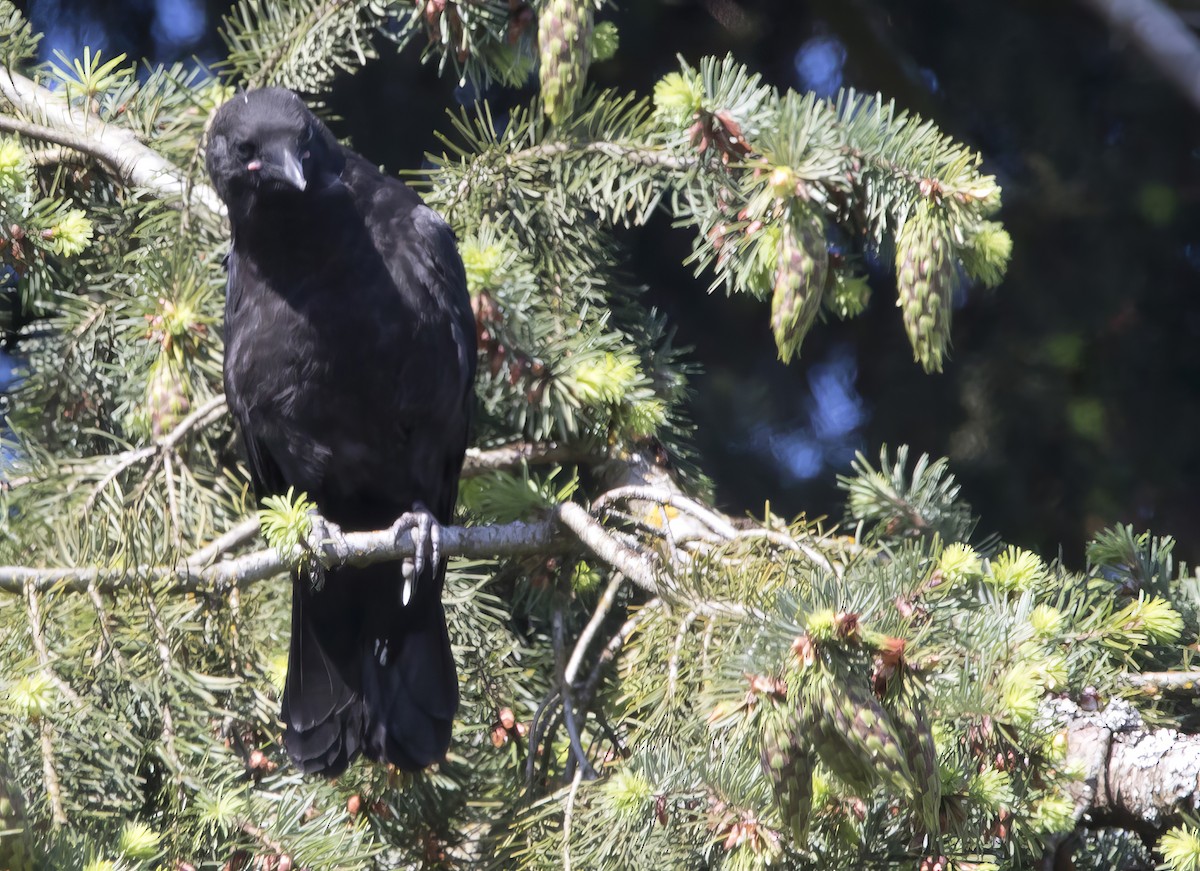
[[359, 549], [1161, 36], [1175, 683], [1135, 777], [131, 161], [480, 461]]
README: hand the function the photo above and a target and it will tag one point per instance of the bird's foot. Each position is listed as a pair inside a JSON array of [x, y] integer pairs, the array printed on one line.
[[423, 530], [325, 538], [327, 544]]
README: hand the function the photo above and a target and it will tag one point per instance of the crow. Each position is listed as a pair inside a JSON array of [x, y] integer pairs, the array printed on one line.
[[349, 369]]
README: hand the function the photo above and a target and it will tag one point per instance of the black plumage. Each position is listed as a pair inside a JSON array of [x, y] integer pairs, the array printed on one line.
[[349, 364]]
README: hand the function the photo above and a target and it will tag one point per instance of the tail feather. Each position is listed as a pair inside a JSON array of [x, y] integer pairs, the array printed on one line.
[[367, 673], [410, 694]]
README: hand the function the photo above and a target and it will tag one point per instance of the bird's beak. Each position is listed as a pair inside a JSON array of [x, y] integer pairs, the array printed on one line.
[[285, 166]]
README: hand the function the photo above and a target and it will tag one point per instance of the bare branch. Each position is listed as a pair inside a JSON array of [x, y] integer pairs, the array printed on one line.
[[360, 548], [132, 162], [482, 461], [222, 544], [597, 539], [607, 598], [1178, 683], [1161, 36]]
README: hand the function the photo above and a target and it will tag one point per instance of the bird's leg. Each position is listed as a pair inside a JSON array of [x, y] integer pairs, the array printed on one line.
[[426, 534]]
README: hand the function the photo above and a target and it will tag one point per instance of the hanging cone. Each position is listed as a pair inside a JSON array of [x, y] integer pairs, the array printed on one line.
[[564, 40]]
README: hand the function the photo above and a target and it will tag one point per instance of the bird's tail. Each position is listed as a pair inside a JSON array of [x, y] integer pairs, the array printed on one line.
[[367, 673]]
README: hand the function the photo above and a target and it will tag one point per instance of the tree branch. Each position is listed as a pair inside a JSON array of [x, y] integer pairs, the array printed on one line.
[[1161, 36], [132, 162], [358, 548], [1135, 778], [481, 461], [1176, 683]]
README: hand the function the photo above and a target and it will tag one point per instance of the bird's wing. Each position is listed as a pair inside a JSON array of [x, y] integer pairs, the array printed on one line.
[[266, 477], [448, 281]]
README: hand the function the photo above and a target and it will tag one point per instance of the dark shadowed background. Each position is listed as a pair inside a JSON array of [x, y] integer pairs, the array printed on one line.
[[1072, 400]]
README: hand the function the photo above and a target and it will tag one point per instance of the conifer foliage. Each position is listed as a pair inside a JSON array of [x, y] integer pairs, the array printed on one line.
[[645, 682]]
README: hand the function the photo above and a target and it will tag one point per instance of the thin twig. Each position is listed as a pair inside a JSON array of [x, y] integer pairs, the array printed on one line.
[[207, 412], [607, 598], [36, 630], [222, 544], [780, 539], [662, 496], [58, 816], [568, 812], [102, 622], [568, 708], [613, 647]]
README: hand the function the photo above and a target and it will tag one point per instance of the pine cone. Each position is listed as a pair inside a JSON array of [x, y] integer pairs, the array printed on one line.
[[787, 761], [565, 40], [799, 280], [925, 279], [166, 400], [855, 737], [905, 704]]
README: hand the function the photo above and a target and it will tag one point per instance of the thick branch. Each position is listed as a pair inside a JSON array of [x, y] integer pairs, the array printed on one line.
[[1161, 36], [132, 162], [1136, 778]]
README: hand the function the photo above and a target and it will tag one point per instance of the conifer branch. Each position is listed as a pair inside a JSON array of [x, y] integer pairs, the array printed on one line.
[[520, 538], [58, 815], [222, 544], [164, 658], [130, 161], [479, 461]]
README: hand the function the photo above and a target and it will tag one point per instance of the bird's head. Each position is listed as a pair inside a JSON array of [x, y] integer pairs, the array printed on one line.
[[265, 145]]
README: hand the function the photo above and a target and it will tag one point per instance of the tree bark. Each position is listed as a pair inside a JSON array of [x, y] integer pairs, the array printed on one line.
[[1135, 778]]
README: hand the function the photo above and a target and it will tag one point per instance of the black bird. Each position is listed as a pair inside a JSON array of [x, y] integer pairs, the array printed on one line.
[[349, 368]]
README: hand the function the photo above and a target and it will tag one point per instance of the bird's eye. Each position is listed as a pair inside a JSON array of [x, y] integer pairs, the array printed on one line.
[[245, 149]]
